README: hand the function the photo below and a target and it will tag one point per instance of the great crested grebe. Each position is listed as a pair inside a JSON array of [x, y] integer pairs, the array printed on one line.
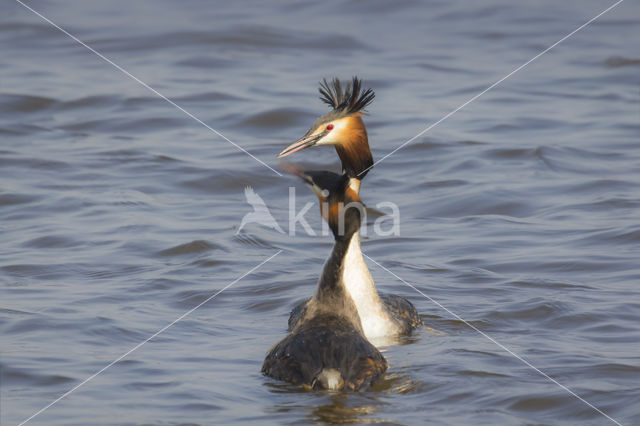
[[341, 127], [382, 315], [326, 348]]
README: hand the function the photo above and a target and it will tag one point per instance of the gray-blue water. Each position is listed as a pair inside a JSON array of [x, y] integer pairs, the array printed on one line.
[[118, 213]]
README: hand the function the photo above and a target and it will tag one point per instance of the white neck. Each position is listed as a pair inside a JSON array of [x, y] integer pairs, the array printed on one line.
[[354, 184], [357, 279]]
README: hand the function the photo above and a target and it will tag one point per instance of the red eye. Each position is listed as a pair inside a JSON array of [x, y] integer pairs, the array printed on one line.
[[330, 127]]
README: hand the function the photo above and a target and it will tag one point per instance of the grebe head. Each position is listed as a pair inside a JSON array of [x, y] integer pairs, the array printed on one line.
[[340, 205], [342, 127]]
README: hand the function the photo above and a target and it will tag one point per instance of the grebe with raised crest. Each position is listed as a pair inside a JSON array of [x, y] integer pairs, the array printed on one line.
[[382, 315]]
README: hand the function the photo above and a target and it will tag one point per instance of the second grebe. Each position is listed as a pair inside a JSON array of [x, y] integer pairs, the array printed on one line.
[[382, 315], [326, 348]]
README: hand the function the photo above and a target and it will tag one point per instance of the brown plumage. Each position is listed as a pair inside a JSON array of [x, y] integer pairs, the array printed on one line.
[[354, 153], [325, 342], [327, 348]]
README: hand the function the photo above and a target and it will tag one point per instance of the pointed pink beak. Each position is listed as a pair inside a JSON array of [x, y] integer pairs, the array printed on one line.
[[300, 144]]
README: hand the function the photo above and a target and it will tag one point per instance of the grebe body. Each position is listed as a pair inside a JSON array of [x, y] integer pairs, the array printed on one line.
[[327, 348]]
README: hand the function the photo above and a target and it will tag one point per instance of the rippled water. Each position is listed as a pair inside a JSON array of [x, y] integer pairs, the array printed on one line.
[[118, 212]]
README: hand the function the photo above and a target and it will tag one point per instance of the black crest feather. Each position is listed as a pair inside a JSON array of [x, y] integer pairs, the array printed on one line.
[[347, 101]]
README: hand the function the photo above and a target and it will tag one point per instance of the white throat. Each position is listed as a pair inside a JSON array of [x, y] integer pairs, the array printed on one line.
[[376, 321], [355, 184]]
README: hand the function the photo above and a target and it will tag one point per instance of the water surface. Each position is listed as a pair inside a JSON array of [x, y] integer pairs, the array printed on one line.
[[118, 212]]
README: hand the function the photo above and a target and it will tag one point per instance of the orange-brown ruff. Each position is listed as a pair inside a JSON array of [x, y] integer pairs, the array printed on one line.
[[354, 153]]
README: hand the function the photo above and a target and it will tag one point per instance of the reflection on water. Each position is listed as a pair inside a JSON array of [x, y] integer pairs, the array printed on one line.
[[341, 410], [338, 407], [119, 213]]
